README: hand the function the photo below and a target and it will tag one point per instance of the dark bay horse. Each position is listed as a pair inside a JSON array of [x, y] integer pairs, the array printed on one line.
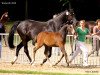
[[4, 18], [29, 29], [52, 39]]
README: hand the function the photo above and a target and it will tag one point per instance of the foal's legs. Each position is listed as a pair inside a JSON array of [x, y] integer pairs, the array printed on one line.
[[17, 52], [63, 54], [37, 46], [47, 52], [71, 44]]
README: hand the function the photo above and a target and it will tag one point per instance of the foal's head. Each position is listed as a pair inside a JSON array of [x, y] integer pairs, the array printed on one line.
[[65, 30]]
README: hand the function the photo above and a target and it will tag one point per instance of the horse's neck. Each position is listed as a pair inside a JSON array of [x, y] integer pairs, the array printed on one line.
[[63, 28], [51, 25], [63, 32], [61, 16], [59, 21], [74, 20]]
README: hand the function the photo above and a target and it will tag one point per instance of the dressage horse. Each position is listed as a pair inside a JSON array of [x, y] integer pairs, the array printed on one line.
[[4, 18], [52, 39], [29, 29]]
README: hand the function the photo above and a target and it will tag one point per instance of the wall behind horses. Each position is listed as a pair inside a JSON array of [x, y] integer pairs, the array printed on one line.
[[8, 54]]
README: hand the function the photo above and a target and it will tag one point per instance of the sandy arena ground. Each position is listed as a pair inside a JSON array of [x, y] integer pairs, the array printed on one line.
[[23, 64], [48, 68]]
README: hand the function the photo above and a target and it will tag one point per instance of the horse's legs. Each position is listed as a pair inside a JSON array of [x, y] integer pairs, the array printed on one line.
[[91, 52], [17, 52], [37, 46], [27, 52], [63, 54], [71, 44], [59, 60], [48, 53]]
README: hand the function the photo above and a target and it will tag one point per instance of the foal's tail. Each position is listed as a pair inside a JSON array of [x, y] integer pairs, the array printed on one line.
[[11, 35]]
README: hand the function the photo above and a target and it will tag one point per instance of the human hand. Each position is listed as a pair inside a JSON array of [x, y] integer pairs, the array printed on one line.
[[93, 34]]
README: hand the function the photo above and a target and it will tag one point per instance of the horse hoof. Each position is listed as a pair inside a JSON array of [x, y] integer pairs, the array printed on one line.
[[31, 63], [51, 65], [54, 65], [12, 62], [41, 64]]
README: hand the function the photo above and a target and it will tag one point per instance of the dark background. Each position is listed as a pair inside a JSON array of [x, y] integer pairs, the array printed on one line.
[[45, 9]]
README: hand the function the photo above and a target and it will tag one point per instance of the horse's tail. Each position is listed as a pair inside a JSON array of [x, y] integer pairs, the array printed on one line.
[[11, 35]]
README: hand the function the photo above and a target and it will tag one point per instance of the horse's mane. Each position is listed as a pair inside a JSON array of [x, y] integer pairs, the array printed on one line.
[[61, 13], [50, 20], [30, 20]]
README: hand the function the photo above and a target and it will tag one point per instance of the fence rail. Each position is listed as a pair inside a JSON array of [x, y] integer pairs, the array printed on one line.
[[8, 54]]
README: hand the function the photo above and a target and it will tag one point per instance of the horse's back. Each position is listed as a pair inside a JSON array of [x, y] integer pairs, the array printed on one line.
[[31, 26], [29, 23], [49, 38], [47, 35]]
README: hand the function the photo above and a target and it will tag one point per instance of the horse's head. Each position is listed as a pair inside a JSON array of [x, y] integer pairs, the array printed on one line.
[[62, 18], [70, 30], [4, 18], [66, 29], [71, 16]]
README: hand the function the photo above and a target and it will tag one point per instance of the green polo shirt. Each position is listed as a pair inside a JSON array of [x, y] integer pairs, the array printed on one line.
[[82, 34]]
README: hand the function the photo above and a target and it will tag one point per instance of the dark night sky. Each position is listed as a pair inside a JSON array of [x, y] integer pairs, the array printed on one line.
[[88, 9], [44, 9]]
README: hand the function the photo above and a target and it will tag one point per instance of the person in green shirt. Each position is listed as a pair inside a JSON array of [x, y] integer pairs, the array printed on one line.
[[81, 33]]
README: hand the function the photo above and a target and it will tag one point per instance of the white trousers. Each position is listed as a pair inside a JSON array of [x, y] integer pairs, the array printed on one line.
[[80, 46]]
